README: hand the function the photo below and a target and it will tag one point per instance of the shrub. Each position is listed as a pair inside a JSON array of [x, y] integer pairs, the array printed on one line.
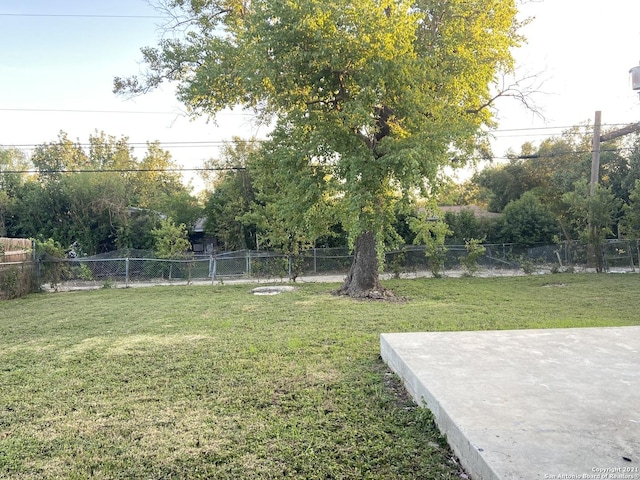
[[432, 231], [82, 272], [17, 281], [52, 267], [528, 221], [397, 264], [527, 265], [475, 250]]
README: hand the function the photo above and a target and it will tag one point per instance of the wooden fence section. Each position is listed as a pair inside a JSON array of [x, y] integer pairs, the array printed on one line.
[[15, 250]]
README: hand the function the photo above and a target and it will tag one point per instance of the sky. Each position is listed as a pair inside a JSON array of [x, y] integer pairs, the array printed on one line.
[[58, 59]]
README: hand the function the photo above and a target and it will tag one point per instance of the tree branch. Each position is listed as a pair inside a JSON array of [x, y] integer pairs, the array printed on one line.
[[521, 89]]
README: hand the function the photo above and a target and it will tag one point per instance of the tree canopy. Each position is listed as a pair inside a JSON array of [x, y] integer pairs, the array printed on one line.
[[368, 99], [98, 196]]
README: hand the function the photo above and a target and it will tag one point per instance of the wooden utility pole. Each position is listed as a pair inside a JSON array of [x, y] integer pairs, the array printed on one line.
[[634, 127], [597, 140]]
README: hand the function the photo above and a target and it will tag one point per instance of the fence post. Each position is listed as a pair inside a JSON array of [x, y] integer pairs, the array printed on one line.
[[212, 268], [39, 272], [315, 260], [248, 266], [126, 272], [290, 265]]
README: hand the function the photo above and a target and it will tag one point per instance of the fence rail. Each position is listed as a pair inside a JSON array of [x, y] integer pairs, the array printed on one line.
[[497, 258]]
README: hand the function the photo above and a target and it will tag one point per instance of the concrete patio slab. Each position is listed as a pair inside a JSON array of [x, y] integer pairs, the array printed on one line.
[[529, 404]]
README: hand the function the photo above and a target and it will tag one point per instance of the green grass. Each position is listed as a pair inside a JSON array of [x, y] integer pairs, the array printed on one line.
[[213, 382]]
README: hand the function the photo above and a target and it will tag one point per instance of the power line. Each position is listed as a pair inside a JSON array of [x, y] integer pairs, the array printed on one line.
[[56, 110], [72, 110], [184, 144], [164, 145], [537, 156], [532, 128], [557, 127], [542, 130], [78, 110], [78, 15], [125, 170], [549, 130], [237, 168]]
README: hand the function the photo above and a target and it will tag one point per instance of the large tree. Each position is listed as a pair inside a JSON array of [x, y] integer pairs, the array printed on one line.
[[369, 99]]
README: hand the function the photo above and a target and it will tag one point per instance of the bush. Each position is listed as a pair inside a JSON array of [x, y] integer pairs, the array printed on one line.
[[54, 270], [397, 264], [475, 250], [528, 221], [17, 281], [436, 256], [82, 272], [527, 265]]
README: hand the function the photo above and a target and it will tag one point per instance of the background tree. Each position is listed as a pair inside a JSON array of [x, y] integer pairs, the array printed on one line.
[[553, 170], [592, 217], [95, 195], [370, 98], [527, 221], [96, 206], [171, 240], [504, 183], [465, 225], [5, 208], [549, 170], [291, 213], [231, 196], [454, 193], [12, 162], [431, 230], [632, 146], [53, 159], [157, 185], [631, 219], [135, 230]]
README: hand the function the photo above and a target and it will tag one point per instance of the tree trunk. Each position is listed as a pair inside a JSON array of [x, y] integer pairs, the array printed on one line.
[[363, 280]]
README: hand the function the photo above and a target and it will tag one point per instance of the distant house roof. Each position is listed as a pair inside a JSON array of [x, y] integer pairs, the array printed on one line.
[[131, 210], [199, 226], [477, 211]]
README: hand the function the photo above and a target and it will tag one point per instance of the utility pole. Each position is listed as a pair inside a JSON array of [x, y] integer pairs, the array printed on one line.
[[597, 251], [597, 140], [634, 127]]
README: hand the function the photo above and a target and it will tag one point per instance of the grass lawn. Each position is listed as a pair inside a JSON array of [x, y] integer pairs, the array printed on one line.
[[213, 382]]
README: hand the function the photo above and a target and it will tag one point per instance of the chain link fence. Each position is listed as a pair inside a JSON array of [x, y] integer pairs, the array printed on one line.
[[130, 268]]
